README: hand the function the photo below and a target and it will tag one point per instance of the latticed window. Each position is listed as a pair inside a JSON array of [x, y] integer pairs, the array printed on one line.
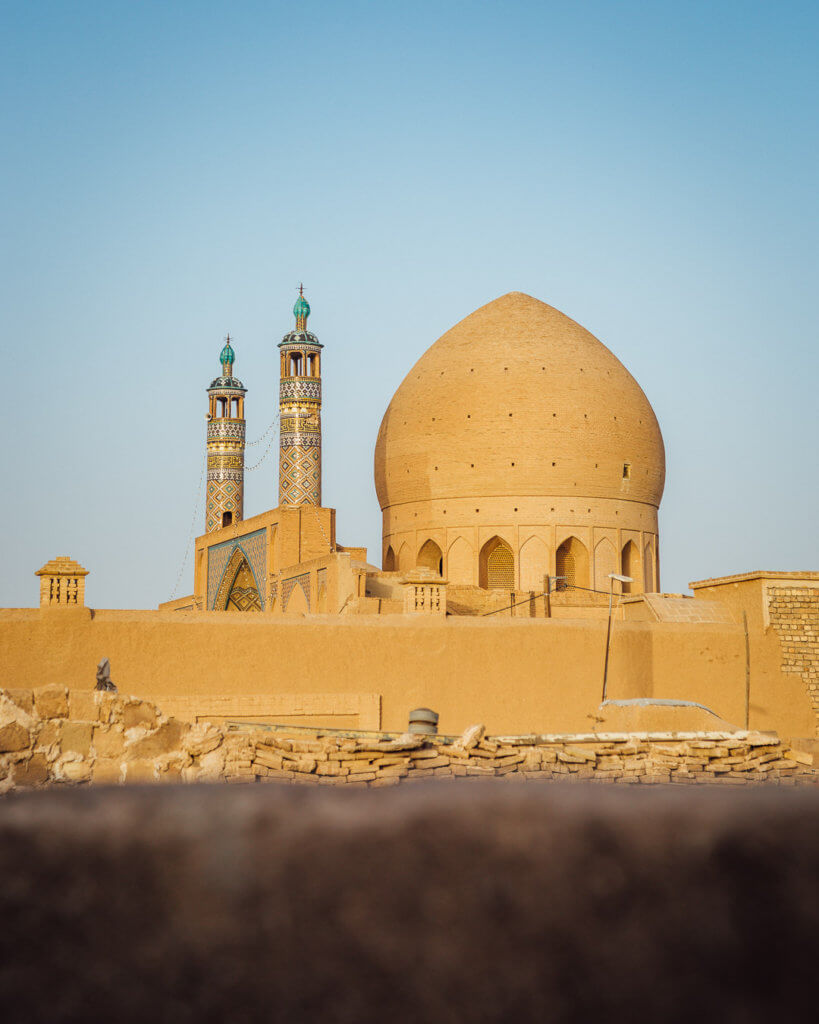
[[500, 568], [572, 562], [567, 568]]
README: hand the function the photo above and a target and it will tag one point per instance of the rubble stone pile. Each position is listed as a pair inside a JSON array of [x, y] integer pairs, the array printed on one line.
[[52, 736]]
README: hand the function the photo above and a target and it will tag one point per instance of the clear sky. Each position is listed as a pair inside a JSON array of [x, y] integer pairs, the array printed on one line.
[[172, 170]]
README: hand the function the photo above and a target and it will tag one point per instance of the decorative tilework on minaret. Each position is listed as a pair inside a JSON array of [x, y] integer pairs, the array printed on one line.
[[300, 412], [226, 447]]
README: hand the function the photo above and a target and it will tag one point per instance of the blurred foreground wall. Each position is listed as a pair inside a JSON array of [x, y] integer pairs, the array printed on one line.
[[434, 903]]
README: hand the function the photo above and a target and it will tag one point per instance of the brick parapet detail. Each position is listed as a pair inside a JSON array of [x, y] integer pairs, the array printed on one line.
[[793, 612]]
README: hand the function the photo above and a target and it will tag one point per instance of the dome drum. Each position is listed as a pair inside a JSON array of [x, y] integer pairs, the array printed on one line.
[[576, 558]]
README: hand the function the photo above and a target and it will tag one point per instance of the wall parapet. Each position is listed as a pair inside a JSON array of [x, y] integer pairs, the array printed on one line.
[[52, 736]]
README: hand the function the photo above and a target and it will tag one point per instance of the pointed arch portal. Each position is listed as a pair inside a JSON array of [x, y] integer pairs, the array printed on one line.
[[238, 591]]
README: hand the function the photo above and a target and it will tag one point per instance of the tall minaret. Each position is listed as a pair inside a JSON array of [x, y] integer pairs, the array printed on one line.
[[300, 413], [226, 447]]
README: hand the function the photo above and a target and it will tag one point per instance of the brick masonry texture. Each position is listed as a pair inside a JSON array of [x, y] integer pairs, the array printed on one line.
[[52, 736], [459, 458], [794, 614]]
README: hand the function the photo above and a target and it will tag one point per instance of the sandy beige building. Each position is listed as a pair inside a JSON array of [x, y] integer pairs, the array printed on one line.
[[518, 466]]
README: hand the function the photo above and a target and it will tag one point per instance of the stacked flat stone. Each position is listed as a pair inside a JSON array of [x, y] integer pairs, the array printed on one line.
[[52, 736]]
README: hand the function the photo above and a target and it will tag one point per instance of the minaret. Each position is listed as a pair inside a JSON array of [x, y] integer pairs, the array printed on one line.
[[300, 412], [226, 447]]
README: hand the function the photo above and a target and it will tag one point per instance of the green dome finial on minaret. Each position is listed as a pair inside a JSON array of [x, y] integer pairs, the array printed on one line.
[[301, 310], [227, 357]]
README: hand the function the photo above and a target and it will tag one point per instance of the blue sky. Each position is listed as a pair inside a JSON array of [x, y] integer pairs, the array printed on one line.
[[171, 171]]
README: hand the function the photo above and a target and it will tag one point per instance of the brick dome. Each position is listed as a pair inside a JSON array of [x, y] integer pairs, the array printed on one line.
[[517, 419]]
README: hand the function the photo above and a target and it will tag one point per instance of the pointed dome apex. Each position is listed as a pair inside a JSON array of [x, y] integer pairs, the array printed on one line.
[[301, 310], [227, 357], [521, 312], [517, 399], [300, 335]]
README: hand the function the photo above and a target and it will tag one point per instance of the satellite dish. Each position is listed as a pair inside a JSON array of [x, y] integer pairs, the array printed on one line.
[[208, 417]]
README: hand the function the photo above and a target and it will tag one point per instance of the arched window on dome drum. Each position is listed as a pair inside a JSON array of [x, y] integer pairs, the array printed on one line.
[[497, 565], [572, 563], [389, 560], [295, 364], [312, 365], [431, 557], [631, 567]]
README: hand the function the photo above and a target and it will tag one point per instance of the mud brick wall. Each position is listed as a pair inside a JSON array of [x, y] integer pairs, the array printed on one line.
[[51, 736]]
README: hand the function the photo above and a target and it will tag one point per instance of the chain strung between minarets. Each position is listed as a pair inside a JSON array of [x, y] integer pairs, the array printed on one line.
[[300, 412], [226, 446]]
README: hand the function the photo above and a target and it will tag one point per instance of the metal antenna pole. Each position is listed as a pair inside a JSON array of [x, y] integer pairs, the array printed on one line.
[[608, 638], [621, 580]]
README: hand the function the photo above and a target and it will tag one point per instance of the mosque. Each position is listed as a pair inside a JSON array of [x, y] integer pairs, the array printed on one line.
[[519, 461], [519, 468]]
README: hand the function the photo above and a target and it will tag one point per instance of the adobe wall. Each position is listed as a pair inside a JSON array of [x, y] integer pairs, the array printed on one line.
[[50, 735], [515, 675], [782, 615]]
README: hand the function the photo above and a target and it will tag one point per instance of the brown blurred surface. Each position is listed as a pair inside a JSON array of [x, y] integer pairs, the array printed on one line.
[[430, 903]]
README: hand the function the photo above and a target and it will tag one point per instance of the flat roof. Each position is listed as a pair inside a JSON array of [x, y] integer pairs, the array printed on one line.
[[756, 574]]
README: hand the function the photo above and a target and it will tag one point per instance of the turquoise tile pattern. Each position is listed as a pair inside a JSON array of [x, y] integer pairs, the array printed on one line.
[[253, 547]]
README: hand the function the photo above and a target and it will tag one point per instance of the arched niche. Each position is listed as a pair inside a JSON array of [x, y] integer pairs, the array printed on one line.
[[460, 562], [630, 566], [405, 561], [431, 557], [389, 560], [534, 564], [605, 562], [648, 566], [298, 602], [572, 563], [497, 565]]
